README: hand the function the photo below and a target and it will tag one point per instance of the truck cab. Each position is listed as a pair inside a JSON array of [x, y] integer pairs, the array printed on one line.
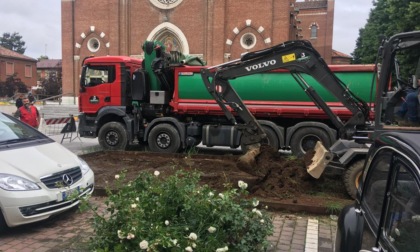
[[104, 81], [386, 213]]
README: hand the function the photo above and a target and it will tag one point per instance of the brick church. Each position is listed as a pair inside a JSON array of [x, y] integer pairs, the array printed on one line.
[[215, 30]]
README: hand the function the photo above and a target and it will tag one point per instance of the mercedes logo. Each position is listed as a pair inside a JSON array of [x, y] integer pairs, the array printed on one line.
[[67, 180]]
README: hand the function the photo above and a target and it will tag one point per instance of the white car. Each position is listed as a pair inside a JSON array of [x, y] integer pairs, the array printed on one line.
[[38, 176]]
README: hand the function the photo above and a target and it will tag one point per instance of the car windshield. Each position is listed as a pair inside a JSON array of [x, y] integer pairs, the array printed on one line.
[[15, 131]]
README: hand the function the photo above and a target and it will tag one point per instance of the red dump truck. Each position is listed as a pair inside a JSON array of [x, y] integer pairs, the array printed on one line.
[[161, 102]]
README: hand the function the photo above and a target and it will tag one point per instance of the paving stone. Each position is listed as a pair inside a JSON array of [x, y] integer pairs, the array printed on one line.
[[291, 234]]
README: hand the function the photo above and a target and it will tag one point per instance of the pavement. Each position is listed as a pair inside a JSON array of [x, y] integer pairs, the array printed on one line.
[[70, 231]]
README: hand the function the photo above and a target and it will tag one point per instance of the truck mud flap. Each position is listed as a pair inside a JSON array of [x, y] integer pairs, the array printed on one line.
[[320, 160]]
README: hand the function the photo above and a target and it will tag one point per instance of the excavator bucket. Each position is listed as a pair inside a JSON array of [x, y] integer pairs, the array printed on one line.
[[248, 163], [319, 161]]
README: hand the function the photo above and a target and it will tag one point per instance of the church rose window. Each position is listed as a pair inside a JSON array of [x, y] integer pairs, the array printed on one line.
[[166, 4], [248, 40]]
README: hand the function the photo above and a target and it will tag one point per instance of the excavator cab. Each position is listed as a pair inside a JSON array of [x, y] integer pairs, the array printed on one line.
[[397, 105], [399, 85]]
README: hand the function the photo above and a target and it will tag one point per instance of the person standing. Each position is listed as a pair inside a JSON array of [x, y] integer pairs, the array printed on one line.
[[408, 113], [31, 98], [28, 114], [19, 101]]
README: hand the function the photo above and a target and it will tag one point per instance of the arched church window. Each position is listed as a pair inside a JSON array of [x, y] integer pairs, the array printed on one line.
[[171, 42], [314, 30]]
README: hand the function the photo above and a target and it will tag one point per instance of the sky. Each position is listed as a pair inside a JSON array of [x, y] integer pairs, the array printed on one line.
[[39, 24], [349, 17]]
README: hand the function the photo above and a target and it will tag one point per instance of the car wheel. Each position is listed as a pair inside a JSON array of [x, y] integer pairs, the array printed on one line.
[[304, 139], [3, 225], [113, 136], [164, 138], [351, 177]]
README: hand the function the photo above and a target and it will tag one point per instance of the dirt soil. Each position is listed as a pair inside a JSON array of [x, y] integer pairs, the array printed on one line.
[[286, 184]]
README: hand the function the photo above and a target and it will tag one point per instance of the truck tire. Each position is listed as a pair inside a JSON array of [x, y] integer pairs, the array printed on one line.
[[113, 136], [304, 139], [164, 138], [273, 140], [351, 177]]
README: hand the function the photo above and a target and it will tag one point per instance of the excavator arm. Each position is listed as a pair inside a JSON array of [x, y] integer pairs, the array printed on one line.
[[298, 57]]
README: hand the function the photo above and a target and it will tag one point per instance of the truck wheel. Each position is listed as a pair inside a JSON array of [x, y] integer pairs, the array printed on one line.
[[304, 139], [164, 138], [273, 141], [113, 136], [351, 177]]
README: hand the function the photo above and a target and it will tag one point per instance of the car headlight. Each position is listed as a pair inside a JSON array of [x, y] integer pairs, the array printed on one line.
[[84, 166], [15, 183]]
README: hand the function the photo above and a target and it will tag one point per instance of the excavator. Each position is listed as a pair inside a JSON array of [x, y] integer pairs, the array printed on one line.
[[300, 59]]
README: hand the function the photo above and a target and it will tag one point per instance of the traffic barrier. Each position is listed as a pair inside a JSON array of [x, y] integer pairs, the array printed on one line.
[[68, 130], [51, 121], [54, 126]]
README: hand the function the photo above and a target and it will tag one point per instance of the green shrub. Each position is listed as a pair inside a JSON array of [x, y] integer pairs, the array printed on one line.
[[153, 213]]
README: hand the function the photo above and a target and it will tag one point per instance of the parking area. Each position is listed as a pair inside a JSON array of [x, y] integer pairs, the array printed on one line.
[[71, 230]]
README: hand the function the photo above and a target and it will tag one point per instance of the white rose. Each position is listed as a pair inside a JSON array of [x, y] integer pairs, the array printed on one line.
[[117, 176], [157, 173], [211, 229], [192, 236], [144, 244], [225, 248], [189, 249], [242, 184], [167, 223]]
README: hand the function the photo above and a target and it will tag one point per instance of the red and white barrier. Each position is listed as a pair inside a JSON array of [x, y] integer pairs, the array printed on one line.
[[57, 120]]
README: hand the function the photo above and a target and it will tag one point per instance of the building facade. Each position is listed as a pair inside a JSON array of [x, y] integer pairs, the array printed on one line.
[[23, 66], [215, 30], [47, 68]]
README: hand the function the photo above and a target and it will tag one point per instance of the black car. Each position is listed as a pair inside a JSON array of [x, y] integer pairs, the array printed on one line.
[[386, 214]]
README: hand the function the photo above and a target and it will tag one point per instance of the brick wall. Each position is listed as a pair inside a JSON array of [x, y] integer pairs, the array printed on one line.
[[19, 69], [207, 26]]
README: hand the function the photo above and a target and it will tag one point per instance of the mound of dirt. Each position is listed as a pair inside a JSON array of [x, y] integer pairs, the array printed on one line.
[[285, 176]]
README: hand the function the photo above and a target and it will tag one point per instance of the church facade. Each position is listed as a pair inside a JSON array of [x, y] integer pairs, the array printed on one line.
[[214, 30]]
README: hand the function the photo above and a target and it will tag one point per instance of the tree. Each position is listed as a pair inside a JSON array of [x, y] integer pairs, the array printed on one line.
[[11, 86], [13, 42], [388, 17], [42, 57], [52, 85]]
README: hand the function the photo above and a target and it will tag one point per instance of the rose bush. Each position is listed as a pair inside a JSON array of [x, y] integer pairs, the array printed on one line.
[[175, 213]]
